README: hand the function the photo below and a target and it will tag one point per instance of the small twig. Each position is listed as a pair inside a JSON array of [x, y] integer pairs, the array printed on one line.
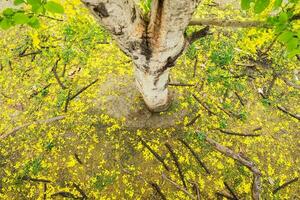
[[3, 136], [67, 101], [77, 158], [268, 92], [49, 17], [257, 129], [178, 187], [197, 190], [203, 105], [181, 85], [56, 75], [285, 185], [238, 134], [30, 53], [240, 99], [256, 185], [158, 190], [45, 191], [175, 159], [193, 120], [37, 92], [195, 155], [83, 89], [227, 23], [195, 67], [27, 178], [231, 191], [284, 110], [65, 194], [158, 157], [219, 194], [84, 196]]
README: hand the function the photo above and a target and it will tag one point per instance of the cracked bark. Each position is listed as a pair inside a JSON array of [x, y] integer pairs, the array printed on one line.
[[153, 45]]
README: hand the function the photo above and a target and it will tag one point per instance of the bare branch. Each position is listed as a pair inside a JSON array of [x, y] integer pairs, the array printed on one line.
[[195, 155], [158, 157], [227, 23], [175, 159], [178, 187], [238, 134], [198, 34], [284, 110], [47, 121], [256, 185], [285, 185], [83, 89]]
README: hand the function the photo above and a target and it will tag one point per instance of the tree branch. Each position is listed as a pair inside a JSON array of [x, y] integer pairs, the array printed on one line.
[[228, 23], [256, 185]]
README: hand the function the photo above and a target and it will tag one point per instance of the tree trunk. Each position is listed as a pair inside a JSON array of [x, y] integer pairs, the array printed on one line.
[[154, 44], [153, 87]]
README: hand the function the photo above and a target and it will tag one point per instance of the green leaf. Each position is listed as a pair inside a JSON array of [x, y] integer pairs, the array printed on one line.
[[294, 53], [35, 5], [5, 24], [245, 4], [20, 18], [8, 12], [53, 7], [261, 5], [34, 22], [292, 44], [283, 18], [18, 2], [285, 36], [277, 4]]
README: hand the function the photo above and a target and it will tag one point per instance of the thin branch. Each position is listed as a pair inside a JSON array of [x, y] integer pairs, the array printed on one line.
[[47, 121], [181, 85], [84, 196], [285, 185], [27, 178], [197, 190], [284, 110], [231, 191], [175, 159], [219, 194], [198, 34], [195, 67], [56, 75], [52, 18], [238, 134], [158, 190], [204, 105], [256, 185], [193, 120], [83, 89], [158, 157], [177, 186], [240, 98], [195, 155], [37, 92], [228, 23]]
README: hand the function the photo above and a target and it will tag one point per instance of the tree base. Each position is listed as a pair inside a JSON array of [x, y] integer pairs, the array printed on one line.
[[162, 108]]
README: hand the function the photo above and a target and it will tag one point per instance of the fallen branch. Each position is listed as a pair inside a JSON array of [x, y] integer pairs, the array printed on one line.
[[197, 190], [227, 23], [195, 155], [219, 194], [77, 158], [178, 187], [284, 110], [204, 105], [84, 196], [256, 185], [158, 190], [158, 157], [56, 75], [47, 121], [240, 99], [238, 134], [285, 185], [231, 191], [37, 92], [175, 159], [27, 178], [181, 85], [193, 120], [83, 89]]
